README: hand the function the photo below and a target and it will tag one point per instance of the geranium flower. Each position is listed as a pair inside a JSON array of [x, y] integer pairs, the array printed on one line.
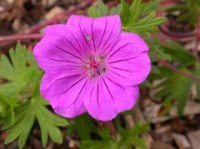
[[91, 66]]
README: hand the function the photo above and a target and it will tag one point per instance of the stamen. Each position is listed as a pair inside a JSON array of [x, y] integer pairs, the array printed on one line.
[[96, 66]]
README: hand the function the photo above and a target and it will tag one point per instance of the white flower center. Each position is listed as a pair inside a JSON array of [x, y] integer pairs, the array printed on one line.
[[96, 66]]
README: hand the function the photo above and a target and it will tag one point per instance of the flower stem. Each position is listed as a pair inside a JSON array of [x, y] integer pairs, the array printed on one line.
[[197, 42], [111, 127]]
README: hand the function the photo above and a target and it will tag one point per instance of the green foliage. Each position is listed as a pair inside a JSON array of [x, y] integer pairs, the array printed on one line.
[[16, 71], [79, 125], [22, 126], [116, 10], [7, 106], [26, 114], [157, 50], [105, 142], [21, 105], [94, 136], [126, 138], [20, 101], [173, 86], [188, 11], [197, 73], [101, 9], [176, 87], [140, 17], [178, 54], [130, 137]]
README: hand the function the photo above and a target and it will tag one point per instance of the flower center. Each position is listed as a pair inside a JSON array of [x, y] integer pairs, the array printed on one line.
[[95, 66]]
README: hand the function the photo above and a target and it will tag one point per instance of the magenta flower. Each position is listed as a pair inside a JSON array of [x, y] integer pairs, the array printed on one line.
[[91, 66]]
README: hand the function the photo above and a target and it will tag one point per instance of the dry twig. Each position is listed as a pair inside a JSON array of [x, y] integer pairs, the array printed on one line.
[[183, 73], [4, 40]]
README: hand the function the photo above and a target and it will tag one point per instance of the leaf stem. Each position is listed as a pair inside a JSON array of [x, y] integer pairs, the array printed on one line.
[[195, 50], [171, 67]]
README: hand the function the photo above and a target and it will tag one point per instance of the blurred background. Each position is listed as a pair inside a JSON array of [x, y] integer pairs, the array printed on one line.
[[167, 115]]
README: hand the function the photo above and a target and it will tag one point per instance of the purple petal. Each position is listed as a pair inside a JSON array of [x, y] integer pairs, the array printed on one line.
[[99, 34], [130, 71], [65, 93], [128, 61], [63, 52], [129, 46], [58, 49], [105, 99]]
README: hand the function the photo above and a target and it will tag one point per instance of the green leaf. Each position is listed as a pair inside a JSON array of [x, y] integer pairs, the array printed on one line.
[[48, 124], [23, 124], [125, 13], [139, 129], [8, 104], [131, 137], [150, 6], [178, 53], [20, 101], [146, 24], [139, 142], [188, 12], [100, 9], [116, 10], [25, 117], [136, 10], [17, 70], [105, 134], [93, 144], [130, 14], [156, 50], [197, 73], [79, 125], [140, 17], [176, 87]]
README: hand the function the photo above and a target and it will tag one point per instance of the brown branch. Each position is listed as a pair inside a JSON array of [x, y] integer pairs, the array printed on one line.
[[196, 46], [59, 17], [183, 73], [21, 36], [164, 29], [169, 2], [195, 50]]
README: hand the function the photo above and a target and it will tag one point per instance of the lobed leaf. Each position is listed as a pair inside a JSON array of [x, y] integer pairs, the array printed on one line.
[[175, 87], [140, 17], [26, 114], [100, 9], [21, 102]]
